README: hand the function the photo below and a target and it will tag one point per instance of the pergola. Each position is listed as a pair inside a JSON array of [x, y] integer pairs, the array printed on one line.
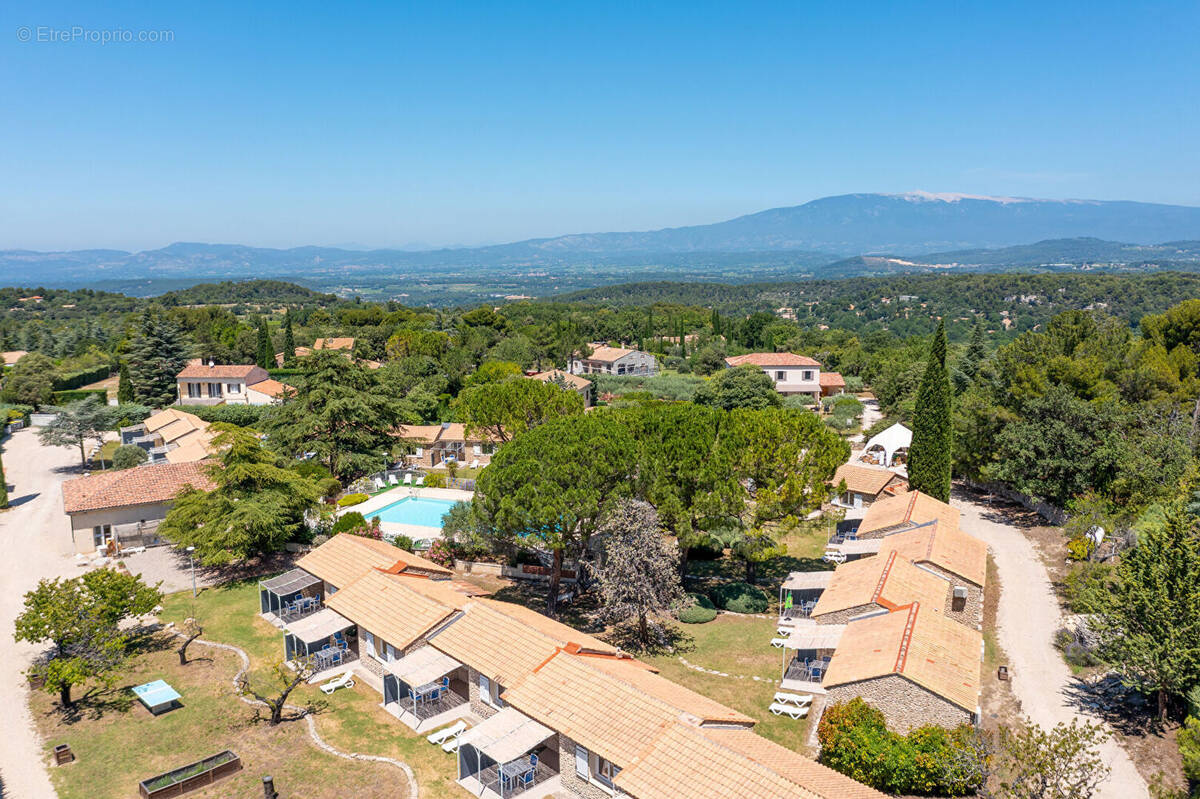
[[802, 586], [276, 592], [503, 741], [415, 674], [811, 637], [305, 636]]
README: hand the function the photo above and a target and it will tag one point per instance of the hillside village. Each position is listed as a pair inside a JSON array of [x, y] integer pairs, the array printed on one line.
[[537, 550]]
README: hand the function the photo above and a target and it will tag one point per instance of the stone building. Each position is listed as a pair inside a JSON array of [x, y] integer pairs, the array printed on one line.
[[951, 553], [879, 583], [904, 511]]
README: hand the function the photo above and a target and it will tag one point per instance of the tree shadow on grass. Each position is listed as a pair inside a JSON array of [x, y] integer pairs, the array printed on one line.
[[669, 639], [94, 704], [579, 613]]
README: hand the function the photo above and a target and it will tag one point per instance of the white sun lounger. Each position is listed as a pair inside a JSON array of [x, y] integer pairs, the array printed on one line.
[[441, 736], [344, 681], [799, 700], [474, 464], [379, 484], [452, 744], [408, 479], [392, 481], [420, 480], [778, 642], [780, 709]]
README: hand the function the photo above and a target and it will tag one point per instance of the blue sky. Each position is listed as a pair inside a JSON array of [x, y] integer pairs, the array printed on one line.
[[282, 124]]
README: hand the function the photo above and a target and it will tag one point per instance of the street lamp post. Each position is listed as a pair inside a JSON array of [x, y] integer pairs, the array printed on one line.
[[192, 557]]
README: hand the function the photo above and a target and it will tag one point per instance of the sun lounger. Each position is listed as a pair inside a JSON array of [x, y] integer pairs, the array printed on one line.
[[474, 464], [379, 484], [780, 709], [441, 736], [778, 643], [420, 480], [799, 700], [344, 681], [392, 481], [452, 744], [783, 631], [408, 479]]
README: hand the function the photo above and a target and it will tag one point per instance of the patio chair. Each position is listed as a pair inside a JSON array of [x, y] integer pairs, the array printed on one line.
[[420, 480], [408, 478], [379, 484], [778, 643], [780, 709], [346, 680], [392, 481], [441, 736]]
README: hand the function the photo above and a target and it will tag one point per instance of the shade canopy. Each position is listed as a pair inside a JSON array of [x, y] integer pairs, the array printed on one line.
[[815, 636], [292, 582], [421, 666], [318, 626], [808, 581], [863, 546], [894, 438], [506, 736]]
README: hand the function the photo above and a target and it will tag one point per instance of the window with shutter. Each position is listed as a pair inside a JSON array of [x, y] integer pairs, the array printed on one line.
[[581, 762], [485, 690]]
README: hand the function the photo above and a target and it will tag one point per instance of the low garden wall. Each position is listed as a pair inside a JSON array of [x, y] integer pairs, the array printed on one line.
[[1054, 515]]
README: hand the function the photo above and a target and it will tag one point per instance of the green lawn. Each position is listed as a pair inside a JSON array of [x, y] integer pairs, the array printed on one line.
[[736, 645], [805, 545]]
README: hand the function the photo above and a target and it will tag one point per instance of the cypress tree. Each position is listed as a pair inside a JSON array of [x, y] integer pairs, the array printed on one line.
[[266, 353], [124, 385], [929, 457], [289, 341]]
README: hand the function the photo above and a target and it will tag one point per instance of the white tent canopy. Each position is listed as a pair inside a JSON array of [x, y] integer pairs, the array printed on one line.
[[896, 437]]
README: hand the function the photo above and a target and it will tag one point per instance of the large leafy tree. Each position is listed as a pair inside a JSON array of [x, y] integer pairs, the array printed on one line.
[[504, 409], [76, 424], [741, 387], [682, 470], [257, 506], [341, 412], [81, 619], [156, 356], [31, 381], [930, 458], [1154, 624], [550, 488], [639, 581]]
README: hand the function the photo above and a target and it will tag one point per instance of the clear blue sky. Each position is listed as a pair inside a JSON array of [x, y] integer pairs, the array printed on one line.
[[282, 124]]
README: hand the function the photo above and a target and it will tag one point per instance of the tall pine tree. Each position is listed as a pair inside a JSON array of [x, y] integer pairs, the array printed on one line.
[[929, 457], [289, 341], [157, 354], [264, 352]]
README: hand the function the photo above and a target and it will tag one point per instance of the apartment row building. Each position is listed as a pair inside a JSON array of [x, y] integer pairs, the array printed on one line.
[[567, 712]]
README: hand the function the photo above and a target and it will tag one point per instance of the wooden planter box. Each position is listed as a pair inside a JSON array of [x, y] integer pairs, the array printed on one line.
[[191, 777]]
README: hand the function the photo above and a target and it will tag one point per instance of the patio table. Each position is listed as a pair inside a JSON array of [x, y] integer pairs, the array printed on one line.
[[423, 691], [513, 771]]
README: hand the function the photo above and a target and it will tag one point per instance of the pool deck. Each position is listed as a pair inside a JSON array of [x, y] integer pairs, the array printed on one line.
[[397, 493]]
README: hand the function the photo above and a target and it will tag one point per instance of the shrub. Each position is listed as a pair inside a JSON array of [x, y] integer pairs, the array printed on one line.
[[351, 499], [440, 554], [127, 456], [402, 541], [435, 480], [855, 740], [319, 538], [75, 395], [1090, 587], [1189, 748], [348, 521], [697, 609], [712, 551], [1080, 548], [371, 530], [240, 415], [740, 598]]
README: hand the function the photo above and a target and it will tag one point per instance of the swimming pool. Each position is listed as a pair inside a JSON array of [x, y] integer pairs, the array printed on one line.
[[420, 511]]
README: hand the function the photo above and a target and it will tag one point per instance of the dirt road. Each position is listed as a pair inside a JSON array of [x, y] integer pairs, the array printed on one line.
[[1028, 617], [36, 543]]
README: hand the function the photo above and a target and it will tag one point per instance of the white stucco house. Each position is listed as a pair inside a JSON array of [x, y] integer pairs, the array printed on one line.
[[793, 374], [229, 384], [614, 361]]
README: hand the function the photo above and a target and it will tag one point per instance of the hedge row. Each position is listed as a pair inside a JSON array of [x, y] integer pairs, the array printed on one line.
[[75, 395], [76, 379], [240, 415]]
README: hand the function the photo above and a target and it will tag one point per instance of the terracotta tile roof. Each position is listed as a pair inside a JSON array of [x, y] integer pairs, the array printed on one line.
[[771, 359], [142, 485], [910, 509], [197, 447], [644, 678], [156, 422], [427, 433], [344, 558], [941, 545], [610, 716], [864, 479], [223, 372], [574, 381], [608, 354], [887, 581], [385, 605], [433, 433], [704, 763], [272, 388], [936, 653], [505, 642], [832, 380], [345, 343]]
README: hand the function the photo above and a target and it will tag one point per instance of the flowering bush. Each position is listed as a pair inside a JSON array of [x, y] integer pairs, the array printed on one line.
[[441, 554]]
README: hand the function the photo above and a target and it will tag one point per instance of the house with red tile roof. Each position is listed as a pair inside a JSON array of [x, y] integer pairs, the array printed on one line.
[[227, 384], [124, 507], [792, 373]]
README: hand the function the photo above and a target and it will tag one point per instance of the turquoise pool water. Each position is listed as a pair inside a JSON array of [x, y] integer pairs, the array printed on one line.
[[415, 510]]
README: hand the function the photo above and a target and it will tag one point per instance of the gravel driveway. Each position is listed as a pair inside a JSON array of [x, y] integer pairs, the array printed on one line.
[[36, 542], [1028, 617]]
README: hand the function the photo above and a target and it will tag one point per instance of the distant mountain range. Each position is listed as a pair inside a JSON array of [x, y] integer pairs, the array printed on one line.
[[847, 235]]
